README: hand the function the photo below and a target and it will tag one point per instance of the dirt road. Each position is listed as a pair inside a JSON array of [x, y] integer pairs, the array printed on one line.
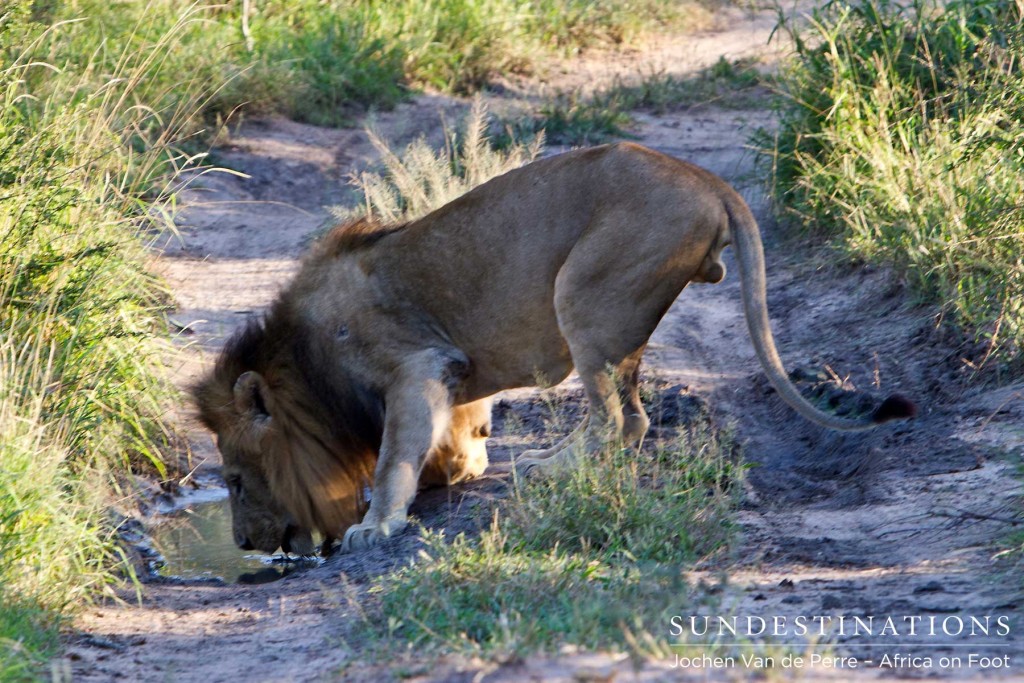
[[889, 523]]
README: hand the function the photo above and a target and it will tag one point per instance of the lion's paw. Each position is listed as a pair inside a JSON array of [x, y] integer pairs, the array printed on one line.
[[369, 534]]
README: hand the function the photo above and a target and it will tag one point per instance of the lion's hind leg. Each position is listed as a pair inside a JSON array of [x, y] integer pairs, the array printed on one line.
[[616, 415], [604, 423], [634, 418], [608, 306]]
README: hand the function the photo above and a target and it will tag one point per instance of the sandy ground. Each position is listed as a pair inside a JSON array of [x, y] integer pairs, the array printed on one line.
[[900, 521]]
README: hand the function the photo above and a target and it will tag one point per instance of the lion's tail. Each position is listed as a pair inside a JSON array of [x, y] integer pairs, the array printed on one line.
[[746, 239]]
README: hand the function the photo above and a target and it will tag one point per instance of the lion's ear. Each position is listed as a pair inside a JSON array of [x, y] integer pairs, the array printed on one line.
[[252, 398]]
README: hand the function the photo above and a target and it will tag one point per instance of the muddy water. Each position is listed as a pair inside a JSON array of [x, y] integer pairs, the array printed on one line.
[[196, 544]]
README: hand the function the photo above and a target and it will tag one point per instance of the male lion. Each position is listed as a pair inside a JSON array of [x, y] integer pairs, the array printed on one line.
[[377, 363]]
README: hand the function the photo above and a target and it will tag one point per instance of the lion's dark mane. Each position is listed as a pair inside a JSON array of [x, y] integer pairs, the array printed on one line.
[[329, 426]]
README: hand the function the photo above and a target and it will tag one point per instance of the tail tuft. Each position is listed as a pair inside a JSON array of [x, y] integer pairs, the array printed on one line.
[[895, 407]]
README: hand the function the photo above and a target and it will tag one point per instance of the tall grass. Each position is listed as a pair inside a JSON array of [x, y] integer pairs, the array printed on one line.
[[314, 60], [56, 546], [902, 139], [84, 154]]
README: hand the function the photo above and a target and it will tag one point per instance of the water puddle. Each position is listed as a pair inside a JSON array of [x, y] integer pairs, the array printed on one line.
[[195, 543]]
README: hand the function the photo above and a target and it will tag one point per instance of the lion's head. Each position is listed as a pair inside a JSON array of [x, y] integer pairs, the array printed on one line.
[[298, 438]]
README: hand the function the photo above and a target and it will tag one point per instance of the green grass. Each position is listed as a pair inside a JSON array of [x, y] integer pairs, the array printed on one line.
[[902, 142], [85, 153], [76, 297], [644, 508], [571, 119], [592, 557], [29, 637], [318, 60], [55, 545], [729, 84]]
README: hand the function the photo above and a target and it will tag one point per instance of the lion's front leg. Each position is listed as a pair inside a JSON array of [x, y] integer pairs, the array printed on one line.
[[418, 413]]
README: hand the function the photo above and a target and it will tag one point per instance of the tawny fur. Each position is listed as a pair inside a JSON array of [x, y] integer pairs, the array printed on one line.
[[385, 349]]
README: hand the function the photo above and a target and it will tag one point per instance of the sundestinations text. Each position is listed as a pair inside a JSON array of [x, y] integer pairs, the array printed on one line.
[[823, 625]]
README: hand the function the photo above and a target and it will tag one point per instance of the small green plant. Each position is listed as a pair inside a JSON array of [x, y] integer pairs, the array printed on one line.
[[1011, 551], [624, 504], [571, 119], [901, 140]]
